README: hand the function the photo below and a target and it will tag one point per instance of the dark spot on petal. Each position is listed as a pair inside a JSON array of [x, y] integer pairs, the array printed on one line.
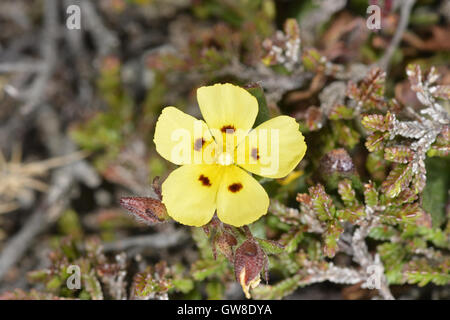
[[198, 144], [255, 153], [235, 187], [228, 129], [204, 180]]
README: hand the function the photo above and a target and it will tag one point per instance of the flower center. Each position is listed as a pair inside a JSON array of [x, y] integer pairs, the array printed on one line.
[[225, 159]]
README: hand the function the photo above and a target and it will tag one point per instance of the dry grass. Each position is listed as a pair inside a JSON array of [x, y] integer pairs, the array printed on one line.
[[18, 180]]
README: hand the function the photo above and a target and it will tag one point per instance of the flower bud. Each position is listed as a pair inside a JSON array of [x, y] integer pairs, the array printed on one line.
[[225, 242], [249, 261], [146, 210], [336, 165]]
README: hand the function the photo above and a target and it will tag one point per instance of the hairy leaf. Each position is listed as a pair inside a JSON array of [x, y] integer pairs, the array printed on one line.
[[399, 154], [397, 180]]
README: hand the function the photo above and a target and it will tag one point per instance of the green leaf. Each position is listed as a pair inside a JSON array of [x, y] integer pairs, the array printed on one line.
[[370, 194], [374, 141], [311, 59], [270, 247], [331, 237], [277, 291], [392, 254], [183, 285], [375, 122], [399, 154], [54, 283], [422, 278], [382, 232], [345, 134], [346, 192], [202, 269], [370, 92], [215, 290], [434, 196], [322, 203], [423, 271], [341, 112], [351, 214], [92, 285], [291, 240], [397, 180], [263, 110]]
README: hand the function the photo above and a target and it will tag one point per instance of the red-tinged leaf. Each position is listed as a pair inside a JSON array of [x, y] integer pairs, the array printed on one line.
[[322, 203], [406, 213], [370, 194], [340, 111], [346, 192], [397, 180], [145, 284], [352, 90], [351, 214], [411, 210], [406, 196], [331, 237], [374, 142], [370, 92], [389, 120], [374, 122], [304, 198], [146, 210], [399, 154]]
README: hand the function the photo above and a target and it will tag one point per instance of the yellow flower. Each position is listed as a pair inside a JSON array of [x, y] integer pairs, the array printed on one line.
[[216, 153]]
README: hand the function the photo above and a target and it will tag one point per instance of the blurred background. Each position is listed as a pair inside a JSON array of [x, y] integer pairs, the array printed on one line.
[[82, 84]]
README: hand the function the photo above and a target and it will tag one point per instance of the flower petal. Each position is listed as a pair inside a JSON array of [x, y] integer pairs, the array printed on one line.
[[241, 199], [182, 139], [189, 193], [273, 149], [227, 109]]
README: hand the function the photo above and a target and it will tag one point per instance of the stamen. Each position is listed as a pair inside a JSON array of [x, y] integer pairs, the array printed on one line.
[[225, 159]]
